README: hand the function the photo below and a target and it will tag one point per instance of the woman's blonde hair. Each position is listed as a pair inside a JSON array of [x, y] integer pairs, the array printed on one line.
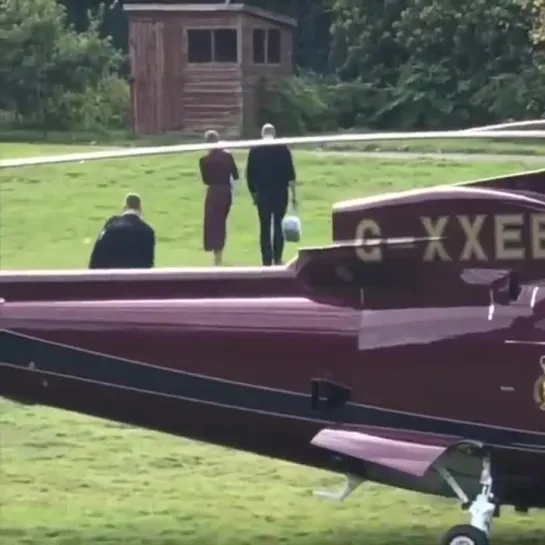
[[211, 136]]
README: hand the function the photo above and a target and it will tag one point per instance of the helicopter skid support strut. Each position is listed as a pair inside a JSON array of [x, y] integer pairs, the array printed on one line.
[[482, 509], [352, 482]]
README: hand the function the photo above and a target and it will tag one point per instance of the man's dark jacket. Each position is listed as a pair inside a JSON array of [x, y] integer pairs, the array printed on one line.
[[126, 242], [269, 170]]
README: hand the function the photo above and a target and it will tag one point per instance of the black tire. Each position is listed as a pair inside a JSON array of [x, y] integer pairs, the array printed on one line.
[[472, 535]]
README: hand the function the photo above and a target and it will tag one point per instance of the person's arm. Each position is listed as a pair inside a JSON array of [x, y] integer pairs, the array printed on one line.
[[150, 257], [146, 246], [99, 254], [293, 191], [234, 169], [234, 175], [292, 180], [202, 168], [250, 175]]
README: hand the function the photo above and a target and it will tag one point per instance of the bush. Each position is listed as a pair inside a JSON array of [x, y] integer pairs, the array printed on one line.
[[54, 77], [104, 106], [307, 104], [296, 105], [514, 96], [355, 103]]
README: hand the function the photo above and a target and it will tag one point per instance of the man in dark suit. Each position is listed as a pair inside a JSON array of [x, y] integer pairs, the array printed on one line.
[[270, 175], [126, 241]]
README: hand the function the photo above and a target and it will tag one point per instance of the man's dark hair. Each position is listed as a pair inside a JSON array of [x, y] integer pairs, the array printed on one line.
[[133, 201]]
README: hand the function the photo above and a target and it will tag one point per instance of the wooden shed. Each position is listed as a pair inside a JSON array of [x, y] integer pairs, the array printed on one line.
[[197, 66]]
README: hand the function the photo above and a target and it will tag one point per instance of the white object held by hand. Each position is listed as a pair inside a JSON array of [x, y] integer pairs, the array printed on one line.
[[291, 228]]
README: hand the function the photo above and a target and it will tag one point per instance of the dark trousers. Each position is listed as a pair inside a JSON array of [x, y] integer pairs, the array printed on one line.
[[271, 210]]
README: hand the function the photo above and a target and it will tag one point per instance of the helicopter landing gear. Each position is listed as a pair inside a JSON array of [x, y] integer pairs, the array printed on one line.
[[482, 511], [465, 534]]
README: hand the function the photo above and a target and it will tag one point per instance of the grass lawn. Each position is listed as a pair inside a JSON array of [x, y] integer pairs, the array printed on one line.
[[51, 214], [72, 480]]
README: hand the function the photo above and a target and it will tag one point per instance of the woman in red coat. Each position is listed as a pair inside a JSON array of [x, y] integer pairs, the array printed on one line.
[[219, 172]]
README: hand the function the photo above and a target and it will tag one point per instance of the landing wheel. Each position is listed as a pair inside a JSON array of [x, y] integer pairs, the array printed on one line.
[[465, 534]]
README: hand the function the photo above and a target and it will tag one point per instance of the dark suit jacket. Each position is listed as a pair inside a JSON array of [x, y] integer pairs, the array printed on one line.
[[126, 242], [269, 169]]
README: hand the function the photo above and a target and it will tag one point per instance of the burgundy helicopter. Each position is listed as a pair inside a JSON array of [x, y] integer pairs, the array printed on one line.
[[414, 361]]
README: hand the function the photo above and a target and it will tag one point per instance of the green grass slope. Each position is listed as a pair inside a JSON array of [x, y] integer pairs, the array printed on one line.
[[51, 214]]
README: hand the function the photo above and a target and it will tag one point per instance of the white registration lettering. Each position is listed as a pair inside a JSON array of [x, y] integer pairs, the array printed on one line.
[[368, 229], [473, 246], [537, 232], [435, 230], [508, 236]]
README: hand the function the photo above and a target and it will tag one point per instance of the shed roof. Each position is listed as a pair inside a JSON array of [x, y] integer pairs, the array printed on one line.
[[211, 8]]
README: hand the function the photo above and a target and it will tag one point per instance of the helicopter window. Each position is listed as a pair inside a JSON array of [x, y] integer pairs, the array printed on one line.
[[217, 45], [266, 46]]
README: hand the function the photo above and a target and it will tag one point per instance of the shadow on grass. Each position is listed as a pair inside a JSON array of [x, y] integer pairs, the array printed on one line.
[[135, 536]]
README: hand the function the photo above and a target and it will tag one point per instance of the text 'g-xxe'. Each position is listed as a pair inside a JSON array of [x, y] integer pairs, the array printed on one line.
[[513, 237]]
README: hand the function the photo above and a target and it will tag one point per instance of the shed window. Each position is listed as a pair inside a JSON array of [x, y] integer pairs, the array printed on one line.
[[260, 37], [212, 45], [266, 46], [199, 45], [273, 46]]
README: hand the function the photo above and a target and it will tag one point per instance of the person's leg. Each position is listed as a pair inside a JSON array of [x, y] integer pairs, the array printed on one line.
[[265, 214], [208, 221], [280, 208], [224, 207]]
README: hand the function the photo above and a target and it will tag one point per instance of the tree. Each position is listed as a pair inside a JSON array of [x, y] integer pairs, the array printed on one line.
[[539, 22], [113, 22], [45, 64], [443, 62], [472, 61], [363, 43]]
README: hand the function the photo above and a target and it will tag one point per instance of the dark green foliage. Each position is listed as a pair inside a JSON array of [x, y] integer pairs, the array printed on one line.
[[54, 76], [113, 22], [301, 104], [442, 63], [424, 64]]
